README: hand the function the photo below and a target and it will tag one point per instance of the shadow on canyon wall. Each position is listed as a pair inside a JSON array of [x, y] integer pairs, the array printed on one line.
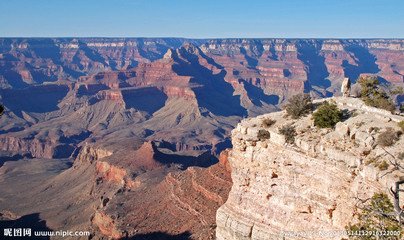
[[258, 96], [148, 99], [204, 160], [366, 62], [212, 91], [317, 72], [16, 157], [32, 221], [34, 99]]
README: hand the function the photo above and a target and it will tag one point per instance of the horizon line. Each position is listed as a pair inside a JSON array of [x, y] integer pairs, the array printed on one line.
[[210, 38]]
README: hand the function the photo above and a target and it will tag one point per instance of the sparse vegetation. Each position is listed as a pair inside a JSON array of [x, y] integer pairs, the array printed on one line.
[[289, 131], [359, 124], [299, 105], [401, 125], [263, 134], [376, 215], [370, 161], [354, 113], [401, 156], [398, 90], [373, 95], [374, 129], [388, 137], [268, 122], [327, 115], [383, 166]]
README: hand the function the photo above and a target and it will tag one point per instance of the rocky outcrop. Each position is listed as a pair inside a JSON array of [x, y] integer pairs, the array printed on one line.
[[161, 199], [91, 154], [312, 186], [35, 148], [111, 173], [109, 95], [106, 225]]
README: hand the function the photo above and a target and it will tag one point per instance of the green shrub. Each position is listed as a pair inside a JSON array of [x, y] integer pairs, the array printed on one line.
[[376, 215], [263, 134], [268, 122], [388, 137], [401, 125], [327, 115], [289, 132], [373, 95], [299, 105]]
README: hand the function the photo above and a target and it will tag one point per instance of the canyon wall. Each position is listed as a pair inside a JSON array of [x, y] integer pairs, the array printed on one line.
[[314, 186], [267, 63]]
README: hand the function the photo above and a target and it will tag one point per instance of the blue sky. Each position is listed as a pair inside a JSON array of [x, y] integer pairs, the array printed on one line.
[[203, 19]]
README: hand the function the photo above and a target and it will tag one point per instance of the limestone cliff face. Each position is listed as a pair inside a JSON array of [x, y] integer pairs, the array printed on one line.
[[312, 185]]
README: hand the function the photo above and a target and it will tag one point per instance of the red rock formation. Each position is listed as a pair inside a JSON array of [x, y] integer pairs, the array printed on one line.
[[179, 92], [110, 173], [106, 225], [183, 201], [109, 95], [224, 160]]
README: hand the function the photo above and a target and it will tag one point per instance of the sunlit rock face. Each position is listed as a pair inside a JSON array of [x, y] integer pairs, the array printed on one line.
[[313, 185], [267, 63]]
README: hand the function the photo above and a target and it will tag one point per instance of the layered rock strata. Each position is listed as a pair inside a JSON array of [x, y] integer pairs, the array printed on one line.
[[311, 186]]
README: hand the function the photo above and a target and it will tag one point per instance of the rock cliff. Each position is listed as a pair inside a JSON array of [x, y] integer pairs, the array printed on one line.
[[312, 185]]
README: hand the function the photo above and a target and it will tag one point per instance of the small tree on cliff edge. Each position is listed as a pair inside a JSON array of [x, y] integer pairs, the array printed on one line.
[[299, 105], [373, 95], [376, 215]]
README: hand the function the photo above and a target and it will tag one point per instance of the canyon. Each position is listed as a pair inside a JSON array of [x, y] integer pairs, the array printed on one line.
[[133, 137]]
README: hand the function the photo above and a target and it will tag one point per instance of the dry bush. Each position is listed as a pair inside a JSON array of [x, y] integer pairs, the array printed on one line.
[[374, 95], [383, 166], [268, 122], [263, 134], [289, 132], [299, 105], [377, 215], [388, 137], [401, 125]]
